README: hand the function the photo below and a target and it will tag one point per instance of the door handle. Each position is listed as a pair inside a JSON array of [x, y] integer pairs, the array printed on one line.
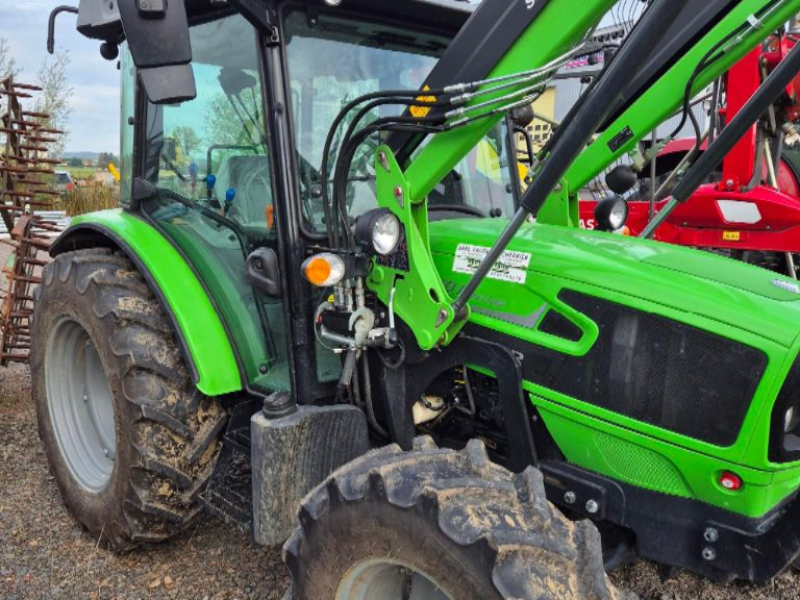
[[263, 271]]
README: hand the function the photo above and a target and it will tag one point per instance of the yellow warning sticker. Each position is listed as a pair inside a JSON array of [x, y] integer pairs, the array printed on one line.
[[420, 112], [732, 236]]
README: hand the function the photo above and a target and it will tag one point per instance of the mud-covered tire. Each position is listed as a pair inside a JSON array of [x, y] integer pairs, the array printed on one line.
[[473, 528], [167, 433]]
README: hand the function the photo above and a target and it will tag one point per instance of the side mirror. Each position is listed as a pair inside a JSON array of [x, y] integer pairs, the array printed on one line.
[[522, 116], [158, 38], [621, 179]]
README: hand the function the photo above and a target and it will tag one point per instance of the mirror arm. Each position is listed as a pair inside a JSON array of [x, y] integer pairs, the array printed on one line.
[[51, 25]]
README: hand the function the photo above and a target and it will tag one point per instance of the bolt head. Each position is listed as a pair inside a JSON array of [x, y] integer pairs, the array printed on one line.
[[711, 534], [709, 554], [570, 498], [592, 507]]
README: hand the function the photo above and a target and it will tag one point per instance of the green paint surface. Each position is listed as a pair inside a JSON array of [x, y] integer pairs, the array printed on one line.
[[718, 295]]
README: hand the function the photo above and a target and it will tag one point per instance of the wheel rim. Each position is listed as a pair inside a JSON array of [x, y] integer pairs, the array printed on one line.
[[388, 580], [80, 404]]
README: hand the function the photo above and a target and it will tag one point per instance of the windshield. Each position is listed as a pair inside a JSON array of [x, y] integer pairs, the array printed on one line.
[[333, 61]]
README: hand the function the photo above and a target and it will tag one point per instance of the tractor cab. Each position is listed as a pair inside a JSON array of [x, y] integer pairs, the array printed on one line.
[[233, 174]]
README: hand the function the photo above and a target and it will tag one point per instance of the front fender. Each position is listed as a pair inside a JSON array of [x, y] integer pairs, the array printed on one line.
[[204, 341]]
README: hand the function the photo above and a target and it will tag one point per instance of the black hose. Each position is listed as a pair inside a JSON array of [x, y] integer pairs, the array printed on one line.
[[404, 94], [334, 238], [783, 74], [341, 173]]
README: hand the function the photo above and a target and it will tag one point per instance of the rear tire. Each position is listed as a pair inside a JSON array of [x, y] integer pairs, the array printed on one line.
[[436, 524], [99, 332]]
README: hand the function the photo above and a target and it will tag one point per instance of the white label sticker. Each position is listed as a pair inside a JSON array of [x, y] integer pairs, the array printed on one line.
[[511, 266]]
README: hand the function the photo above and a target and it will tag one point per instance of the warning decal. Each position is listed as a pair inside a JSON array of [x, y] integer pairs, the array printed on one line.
[[511, 266], [420, 112]]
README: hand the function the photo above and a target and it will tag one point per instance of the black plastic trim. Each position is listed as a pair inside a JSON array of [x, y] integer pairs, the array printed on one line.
[[676, 531], [788, 396]]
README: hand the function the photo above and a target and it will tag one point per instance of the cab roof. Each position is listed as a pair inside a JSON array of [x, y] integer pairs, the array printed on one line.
[[96, 20]]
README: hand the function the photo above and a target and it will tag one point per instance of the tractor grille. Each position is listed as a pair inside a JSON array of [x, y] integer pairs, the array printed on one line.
[[651, 369], [784, 445]]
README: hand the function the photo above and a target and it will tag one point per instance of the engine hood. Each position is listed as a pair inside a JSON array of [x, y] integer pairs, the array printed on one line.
[[690, 281]]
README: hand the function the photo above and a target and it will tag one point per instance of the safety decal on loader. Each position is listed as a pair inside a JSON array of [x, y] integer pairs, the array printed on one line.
[[511, 266], [420, 112]]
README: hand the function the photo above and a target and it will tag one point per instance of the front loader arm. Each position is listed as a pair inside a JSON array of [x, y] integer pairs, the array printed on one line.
[[655, 103], [734, 27], [543, 31]]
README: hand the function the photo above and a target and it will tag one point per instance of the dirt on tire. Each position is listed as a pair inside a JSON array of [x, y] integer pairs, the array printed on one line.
[[168, 434], [469, 525]]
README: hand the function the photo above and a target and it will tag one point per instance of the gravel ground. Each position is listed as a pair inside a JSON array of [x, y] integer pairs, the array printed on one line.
[[45, 554]]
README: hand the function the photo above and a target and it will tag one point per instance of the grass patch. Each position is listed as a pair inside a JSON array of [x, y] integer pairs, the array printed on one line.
[[89, 199], [81, 172]]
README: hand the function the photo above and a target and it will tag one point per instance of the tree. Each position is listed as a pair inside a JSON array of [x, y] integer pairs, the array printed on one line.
[[224, 123], [75, 162], [8, 65], [55, 97], [106, 157], [186, 139]]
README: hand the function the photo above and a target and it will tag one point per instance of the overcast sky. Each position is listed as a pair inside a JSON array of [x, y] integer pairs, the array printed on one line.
[[94, 123], [95, 104]]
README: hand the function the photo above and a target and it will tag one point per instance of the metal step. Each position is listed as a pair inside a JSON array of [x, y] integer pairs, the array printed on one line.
[[229, 494]]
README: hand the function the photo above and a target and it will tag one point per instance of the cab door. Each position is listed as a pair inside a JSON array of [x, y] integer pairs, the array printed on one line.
[[209, 160]]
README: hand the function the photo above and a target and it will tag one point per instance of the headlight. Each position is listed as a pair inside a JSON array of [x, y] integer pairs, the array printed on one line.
[[324, 270], [611, 214], [380, 230]]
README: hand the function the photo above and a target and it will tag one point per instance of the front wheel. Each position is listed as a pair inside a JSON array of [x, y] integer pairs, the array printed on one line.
[[435, 524], [129, 439]]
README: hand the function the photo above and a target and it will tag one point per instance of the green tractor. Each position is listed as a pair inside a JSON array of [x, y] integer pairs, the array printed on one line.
[[325, 294]]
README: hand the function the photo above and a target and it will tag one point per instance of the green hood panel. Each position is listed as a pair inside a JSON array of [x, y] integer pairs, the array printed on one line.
[[683, 280]]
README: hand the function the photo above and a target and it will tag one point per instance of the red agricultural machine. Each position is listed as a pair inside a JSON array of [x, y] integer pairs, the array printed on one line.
[[750, 208]]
